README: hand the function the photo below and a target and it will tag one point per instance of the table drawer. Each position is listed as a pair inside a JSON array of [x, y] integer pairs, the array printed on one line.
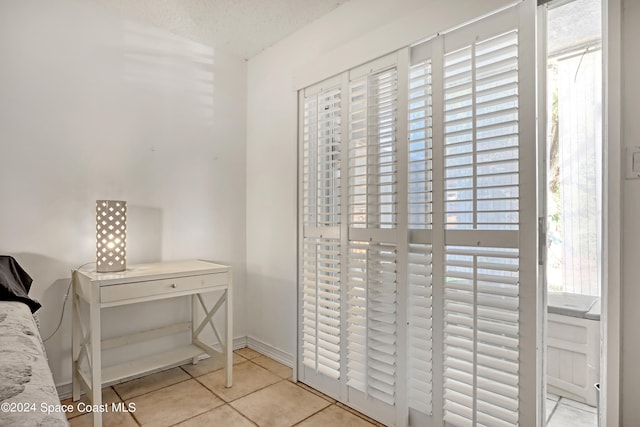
[[151, 288]]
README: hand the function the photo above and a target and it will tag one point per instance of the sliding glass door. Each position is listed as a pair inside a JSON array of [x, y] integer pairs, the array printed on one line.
[[418, 230]]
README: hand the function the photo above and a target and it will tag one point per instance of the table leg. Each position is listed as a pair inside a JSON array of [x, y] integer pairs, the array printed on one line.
[[194, 322], [96, 356], [229, 333], [76, 339]]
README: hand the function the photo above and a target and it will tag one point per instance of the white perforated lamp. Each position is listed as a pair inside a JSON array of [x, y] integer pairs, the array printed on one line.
[[111, 236]]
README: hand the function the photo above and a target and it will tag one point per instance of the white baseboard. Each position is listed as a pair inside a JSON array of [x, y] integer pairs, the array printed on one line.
[[64, 390], [270, 351]]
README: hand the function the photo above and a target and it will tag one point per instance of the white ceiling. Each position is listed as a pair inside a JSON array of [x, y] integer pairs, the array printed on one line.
[[241, 27]]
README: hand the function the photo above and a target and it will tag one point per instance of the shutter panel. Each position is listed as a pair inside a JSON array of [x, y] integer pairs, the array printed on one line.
[[420, 146], [481, 135], [497, 154], [372, 151], [481, 192], [358, 154], [481, 335], [321, 170], [329, 109], [420, 327], [320, 293], [373, 217], [371, 320], [458, 127], [321, 306], [420, 279], [309, 168]]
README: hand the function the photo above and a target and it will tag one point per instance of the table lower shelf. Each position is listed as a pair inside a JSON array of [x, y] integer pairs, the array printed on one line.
[[139, 366]]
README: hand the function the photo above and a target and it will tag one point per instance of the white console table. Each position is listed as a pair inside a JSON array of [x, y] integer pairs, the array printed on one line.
[[140, 283]]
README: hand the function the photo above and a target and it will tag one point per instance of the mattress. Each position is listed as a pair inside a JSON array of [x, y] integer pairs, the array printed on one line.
[[27, 390]]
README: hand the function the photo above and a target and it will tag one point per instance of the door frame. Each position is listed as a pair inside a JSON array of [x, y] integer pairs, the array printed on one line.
[[612, 214]]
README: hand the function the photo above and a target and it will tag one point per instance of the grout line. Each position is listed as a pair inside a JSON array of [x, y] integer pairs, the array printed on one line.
[[135, 420], [313, 391], [242, 415], [209, 390], [342, 407], [116, 392], [359, 414], [133, 415], [312, 415], [196, 415], [334, 402], [152, 391], [185, 371], [337, 403], [240, 397]]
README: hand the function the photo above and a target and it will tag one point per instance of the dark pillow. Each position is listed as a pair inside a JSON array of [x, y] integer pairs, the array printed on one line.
[[15, 283]]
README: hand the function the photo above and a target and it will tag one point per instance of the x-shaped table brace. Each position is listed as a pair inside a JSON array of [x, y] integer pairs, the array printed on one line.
[[208, 320]]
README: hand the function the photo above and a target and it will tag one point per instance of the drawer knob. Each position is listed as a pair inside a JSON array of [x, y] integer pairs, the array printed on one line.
[[173, 285]]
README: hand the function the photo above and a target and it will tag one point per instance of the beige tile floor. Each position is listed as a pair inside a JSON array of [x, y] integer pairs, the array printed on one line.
[[194, 396]]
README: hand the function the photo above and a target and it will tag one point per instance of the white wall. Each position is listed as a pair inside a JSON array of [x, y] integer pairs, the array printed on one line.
[[92, 106], [81, 88], [356, 32], [630, 316]]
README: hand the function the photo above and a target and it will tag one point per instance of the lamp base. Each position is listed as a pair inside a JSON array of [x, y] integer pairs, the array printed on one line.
[[110, 268]]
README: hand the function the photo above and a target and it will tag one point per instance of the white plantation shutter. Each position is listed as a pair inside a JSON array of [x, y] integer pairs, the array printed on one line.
[[320, 251], [372, 352], [371, 320], [372, 151], [321, 306], [482, 184], [481, 135], [418, 233], [481, 336], [420, 146], [321, 136], [419, 260], [420, 328]]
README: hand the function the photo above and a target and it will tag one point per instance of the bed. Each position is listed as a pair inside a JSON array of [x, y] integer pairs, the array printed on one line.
[[28, 395]]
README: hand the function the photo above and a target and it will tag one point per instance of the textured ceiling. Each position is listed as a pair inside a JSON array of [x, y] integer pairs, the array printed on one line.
[[241, 27]]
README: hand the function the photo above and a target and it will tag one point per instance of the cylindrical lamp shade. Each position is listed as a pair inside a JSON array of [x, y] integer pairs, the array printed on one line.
[[111, 236]]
